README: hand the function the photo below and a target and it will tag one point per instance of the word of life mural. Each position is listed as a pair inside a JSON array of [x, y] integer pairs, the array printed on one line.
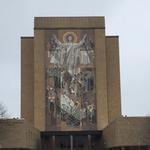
[[70, 80]]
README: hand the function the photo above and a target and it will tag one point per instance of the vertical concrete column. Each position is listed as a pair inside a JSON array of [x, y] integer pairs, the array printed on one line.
[[71, 142], [101, 86], [39, 80], [53, 142], [89, 142], [27, 79], [113, 78]]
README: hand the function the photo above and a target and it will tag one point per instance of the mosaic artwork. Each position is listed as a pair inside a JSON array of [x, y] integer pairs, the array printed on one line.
[[70, 79]]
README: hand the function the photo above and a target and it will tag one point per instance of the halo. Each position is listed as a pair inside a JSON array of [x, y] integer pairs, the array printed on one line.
[[74, 37]]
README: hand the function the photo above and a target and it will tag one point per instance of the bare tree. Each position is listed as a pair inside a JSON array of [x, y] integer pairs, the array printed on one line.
[[3, 111]]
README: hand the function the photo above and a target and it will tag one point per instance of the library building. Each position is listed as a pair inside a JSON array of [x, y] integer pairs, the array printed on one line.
[[70, 91]]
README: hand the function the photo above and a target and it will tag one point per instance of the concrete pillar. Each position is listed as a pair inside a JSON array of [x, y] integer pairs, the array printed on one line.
[[53, 142], [71, 142]]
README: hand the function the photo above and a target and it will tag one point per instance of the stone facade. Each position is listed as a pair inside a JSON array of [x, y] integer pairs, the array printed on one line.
[[27, 79], [106, 72], [97, 122], [18, 134], [127, 132]]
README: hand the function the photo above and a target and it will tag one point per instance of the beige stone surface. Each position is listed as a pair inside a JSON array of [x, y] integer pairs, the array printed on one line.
[[27, 78], [128, 131], [107, 70], [101, 82], [113, 78], [117, 131], [18, 134], [39, 80], [68, 22]]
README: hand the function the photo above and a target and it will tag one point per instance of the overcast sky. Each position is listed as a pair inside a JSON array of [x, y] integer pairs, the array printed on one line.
[[130, 19]]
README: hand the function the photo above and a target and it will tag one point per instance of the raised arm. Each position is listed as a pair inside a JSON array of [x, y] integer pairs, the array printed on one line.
[[56, 40], [82, 41]]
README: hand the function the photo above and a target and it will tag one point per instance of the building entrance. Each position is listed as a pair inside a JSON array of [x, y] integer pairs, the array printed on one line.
[[83, 140]]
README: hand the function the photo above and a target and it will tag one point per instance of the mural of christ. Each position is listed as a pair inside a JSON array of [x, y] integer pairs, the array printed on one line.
[[71, 80], [70, 53]]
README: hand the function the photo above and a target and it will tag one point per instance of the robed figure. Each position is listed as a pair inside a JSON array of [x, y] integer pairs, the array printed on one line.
[[70, 53]]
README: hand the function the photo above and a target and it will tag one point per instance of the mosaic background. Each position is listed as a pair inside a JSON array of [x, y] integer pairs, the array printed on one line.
[[70, 80]]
